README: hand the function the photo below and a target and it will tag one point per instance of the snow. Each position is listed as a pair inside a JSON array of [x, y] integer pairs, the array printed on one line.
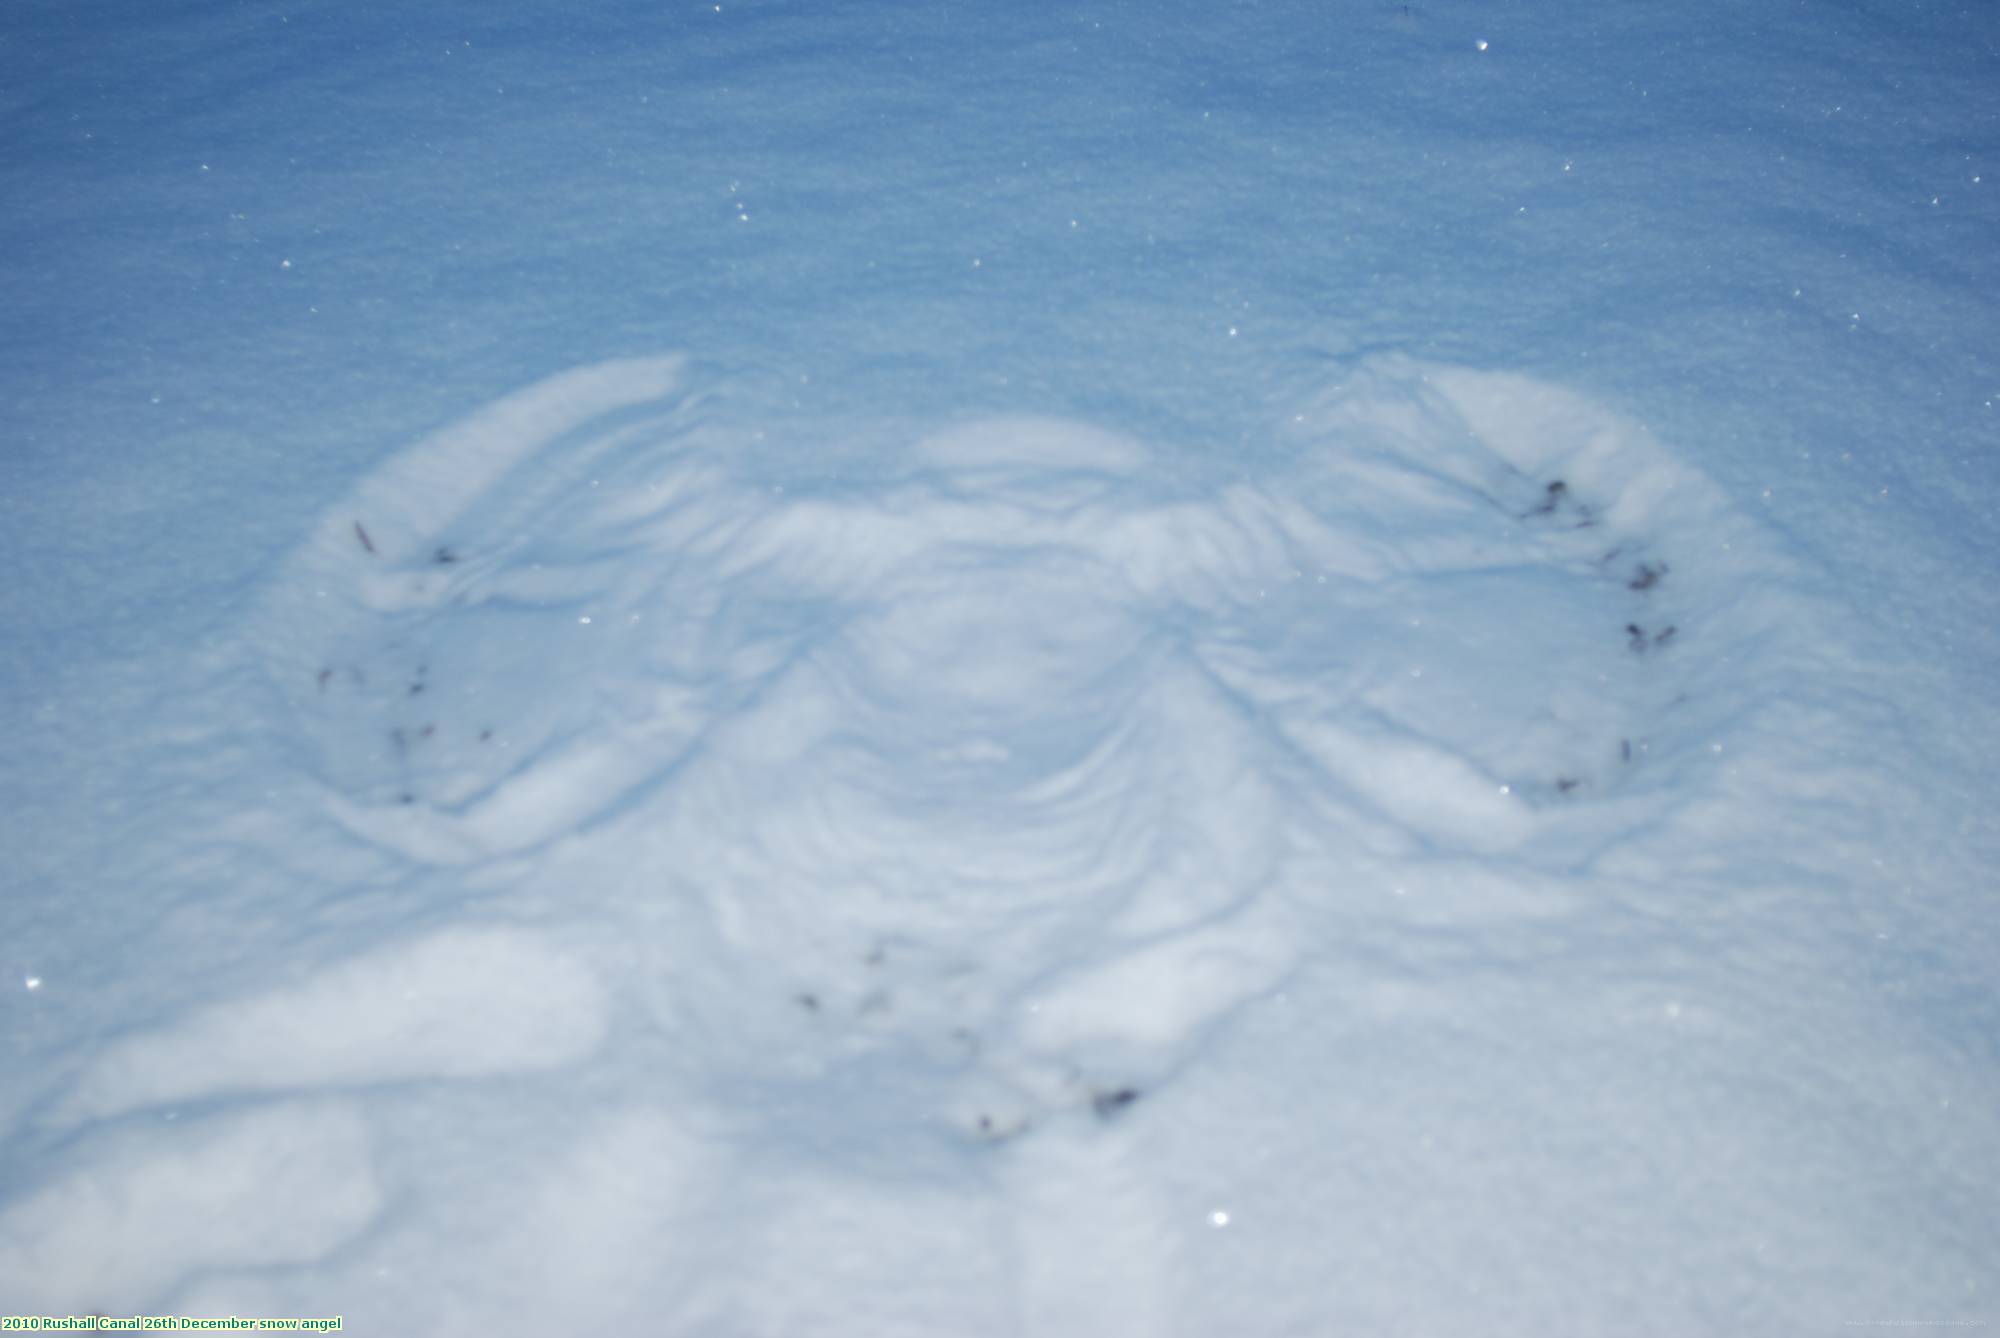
[[460, 1004], [754, 669]]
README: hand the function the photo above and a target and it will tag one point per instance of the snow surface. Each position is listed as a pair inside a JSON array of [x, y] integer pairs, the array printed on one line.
[[1134, 670]]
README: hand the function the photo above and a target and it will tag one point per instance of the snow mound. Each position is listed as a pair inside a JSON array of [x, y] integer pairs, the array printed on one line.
[[140, 1209], [461, 1003]]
